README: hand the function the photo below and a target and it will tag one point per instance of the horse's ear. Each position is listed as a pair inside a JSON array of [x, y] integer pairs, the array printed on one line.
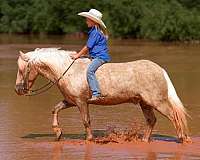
[[23, 56]]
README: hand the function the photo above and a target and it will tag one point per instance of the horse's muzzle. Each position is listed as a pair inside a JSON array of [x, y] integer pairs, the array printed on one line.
[[20, 89]]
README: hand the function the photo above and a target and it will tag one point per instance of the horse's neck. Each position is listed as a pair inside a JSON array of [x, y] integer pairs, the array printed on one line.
[[53, 71], [52, 67]]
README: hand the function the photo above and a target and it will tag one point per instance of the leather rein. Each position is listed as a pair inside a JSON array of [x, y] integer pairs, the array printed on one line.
[[43, 88]]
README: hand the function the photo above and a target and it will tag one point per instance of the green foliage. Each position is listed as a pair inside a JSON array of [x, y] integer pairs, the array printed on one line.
[[14, 17], [152, 19], [191, 4], [170, 22]]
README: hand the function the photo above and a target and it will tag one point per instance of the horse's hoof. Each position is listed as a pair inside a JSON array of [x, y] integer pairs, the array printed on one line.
[[58, 136], [145, 139], [90, 138], [58, 132]]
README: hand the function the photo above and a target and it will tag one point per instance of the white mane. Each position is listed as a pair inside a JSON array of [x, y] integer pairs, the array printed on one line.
[[40, 54], [55, 58]]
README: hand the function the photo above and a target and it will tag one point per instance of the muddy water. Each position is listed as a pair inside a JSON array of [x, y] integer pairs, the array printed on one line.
[[25, 123]]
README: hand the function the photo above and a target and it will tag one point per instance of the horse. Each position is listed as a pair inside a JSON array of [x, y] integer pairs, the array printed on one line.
[[140, 82]]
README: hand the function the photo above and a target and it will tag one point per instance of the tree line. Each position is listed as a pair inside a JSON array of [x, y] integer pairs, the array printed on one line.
[[166, 20]]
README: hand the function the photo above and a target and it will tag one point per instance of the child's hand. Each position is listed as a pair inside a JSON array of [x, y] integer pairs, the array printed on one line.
[[74, 56]]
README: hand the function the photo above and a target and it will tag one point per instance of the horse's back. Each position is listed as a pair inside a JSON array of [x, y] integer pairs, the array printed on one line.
[[125, 71], [124, 81]]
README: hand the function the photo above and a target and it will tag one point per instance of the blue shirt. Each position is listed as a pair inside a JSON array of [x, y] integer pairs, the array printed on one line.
[[97, 45]]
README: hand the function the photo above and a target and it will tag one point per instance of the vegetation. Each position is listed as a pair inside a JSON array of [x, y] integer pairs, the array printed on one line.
[[150, 19]]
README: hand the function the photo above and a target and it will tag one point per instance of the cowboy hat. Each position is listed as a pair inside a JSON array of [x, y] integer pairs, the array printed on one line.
[[94, 15]]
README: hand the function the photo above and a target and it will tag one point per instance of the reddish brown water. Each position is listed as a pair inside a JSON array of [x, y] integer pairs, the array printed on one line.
[[25, 123]]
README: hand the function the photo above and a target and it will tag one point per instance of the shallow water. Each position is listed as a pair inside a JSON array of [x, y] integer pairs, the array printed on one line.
[[25, 122]]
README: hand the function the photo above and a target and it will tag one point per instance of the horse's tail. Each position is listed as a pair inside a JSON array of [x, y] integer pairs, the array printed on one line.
[[177, 107]]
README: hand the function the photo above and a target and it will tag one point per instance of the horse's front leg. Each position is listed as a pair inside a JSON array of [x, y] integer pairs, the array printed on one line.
[[55, 124], [84, 110]]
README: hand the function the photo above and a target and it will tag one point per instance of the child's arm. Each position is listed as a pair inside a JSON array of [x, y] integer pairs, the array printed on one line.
[[83, 51]]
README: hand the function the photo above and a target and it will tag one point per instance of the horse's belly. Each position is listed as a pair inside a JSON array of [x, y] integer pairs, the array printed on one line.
[[114, 100]]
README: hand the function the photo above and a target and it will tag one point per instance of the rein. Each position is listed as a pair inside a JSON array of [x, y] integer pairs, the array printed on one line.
[[45, 87]]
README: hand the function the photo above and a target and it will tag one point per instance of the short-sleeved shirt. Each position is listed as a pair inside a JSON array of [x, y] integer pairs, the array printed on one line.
[[97, 45]]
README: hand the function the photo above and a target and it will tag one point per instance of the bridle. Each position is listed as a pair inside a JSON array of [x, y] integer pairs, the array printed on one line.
[[43, 88]]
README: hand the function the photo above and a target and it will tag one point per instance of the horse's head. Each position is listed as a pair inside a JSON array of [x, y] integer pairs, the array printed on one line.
[[26, 74]]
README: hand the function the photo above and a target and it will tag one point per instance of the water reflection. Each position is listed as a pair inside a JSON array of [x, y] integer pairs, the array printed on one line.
[[90, 151], [57, 151]]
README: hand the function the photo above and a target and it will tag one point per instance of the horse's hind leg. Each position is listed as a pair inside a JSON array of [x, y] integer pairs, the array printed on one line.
[[60, 106], [150, 120], [167, 110]]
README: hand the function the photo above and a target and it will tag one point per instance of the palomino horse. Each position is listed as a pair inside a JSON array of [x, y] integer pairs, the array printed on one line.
[[140, 82]]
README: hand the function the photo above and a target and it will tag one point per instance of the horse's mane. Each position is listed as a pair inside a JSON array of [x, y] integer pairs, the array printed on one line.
[[48, 54], [52, 57]]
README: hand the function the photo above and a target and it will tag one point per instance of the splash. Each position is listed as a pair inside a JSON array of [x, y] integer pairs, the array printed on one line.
[[133, 133]]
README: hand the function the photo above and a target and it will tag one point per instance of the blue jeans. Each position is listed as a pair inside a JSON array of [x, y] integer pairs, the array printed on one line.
[[91, 77]]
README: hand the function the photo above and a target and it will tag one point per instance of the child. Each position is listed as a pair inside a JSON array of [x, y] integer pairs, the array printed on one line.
[[97, 48]]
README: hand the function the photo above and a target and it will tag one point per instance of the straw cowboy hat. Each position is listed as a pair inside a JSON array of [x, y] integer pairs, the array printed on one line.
[[94, 15]]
